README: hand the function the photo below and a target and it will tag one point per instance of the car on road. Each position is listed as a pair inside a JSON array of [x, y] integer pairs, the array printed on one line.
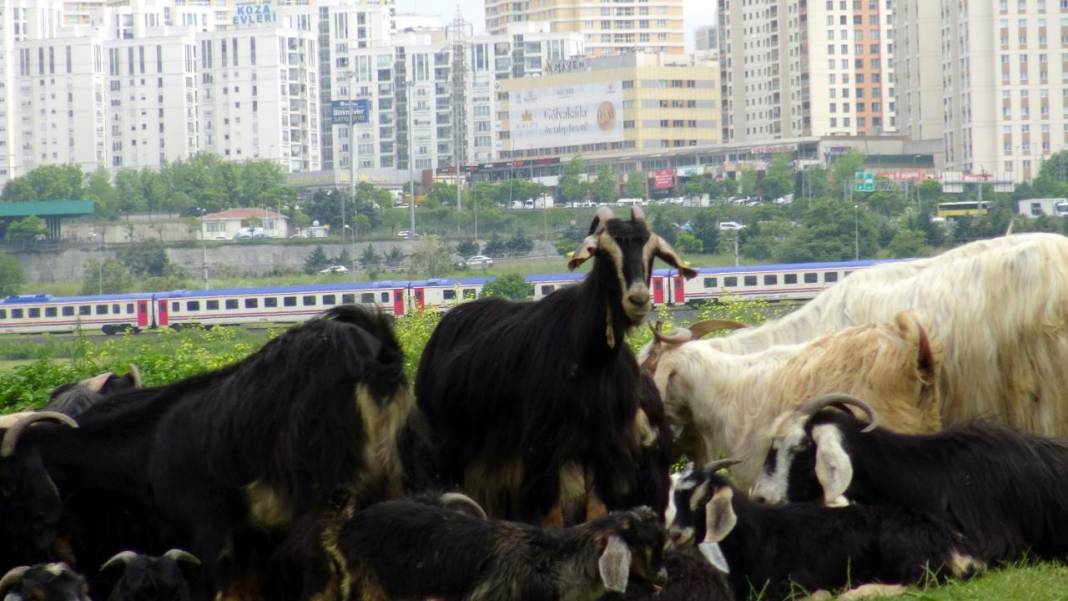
[[479, 261], [334, 269], [727, 226], [407, 235]]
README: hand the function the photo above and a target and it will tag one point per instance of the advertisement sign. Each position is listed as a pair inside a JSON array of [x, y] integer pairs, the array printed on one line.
[[572, 115], [663, 179], [258, 13], [340, 110]]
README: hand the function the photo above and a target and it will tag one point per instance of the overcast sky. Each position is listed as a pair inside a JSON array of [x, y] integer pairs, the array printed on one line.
[[697, 12]]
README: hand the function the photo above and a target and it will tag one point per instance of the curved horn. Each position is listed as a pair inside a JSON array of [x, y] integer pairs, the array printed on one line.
[[457, 501], [678, 336], [11, 438], [721, 464], [119, 559], [706, 327], [637, 214], [135, 375], [11, 578], [603, 214], [180, 556], [842, 401]]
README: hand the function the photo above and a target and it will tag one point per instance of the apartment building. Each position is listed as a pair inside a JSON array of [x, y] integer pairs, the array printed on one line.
[[1001, 91], [611, 105], [706, 38], [799, 68], [619, 27], [437, 93]]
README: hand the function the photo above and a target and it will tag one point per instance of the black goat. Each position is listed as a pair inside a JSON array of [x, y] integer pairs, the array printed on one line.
[[1005, 490], [73, 399], [777, 551], [690, 578], [135, 577], [411, 549], [244, 458], [43, 582], [537, 407]]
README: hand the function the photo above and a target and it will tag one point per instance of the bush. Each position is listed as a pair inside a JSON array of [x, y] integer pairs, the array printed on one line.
[[11, 276], [509, 285]]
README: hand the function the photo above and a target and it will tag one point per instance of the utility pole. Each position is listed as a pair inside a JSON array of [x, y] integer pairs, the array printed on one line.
[[411, 155], [856, 235], [354, 150]]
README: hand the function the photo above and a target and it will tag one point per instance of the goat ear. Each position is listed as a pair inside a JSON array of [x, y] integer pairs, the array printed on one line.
[[614, 564], [928, 356], [713, 554], [669, 256], [720, 518], [834, 470], [585, 252]]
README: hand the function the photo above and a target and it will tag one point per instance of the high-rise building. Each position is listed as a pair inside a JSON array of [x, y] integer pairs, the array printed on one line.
[[706, 39], [622, 26], [918, 69], [999, 100], [796, 68]]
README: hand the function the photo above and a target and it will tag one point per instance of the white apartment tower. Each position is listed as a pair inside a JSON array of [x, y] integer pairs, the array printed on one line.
[[607, 28], [796, 68], [1001, 91]]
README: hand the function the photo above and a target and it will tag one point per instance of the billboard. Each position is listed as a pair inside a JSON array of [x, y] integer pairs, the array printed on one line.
[[573, 115], [663, 179], [341, 110], [258, 13]]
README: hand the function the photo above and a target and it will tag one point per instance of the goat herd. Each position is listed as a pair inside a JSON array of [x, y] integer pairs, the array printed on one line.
[[898, 427]]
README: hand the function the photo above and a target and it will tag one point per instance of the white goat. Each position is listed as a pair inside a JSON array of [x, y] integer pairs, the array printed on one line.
[[725, 404]]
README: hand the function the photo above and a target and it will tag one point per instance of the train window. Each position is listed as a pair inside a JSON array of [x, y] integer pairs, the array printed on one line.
[[212, 305], [252, 303], [308, 301], [730, 281], [270, 302], [385, 297], [3, 313], [116, 309], [289, 301], [348, 299], [176, 306], [367, 297], [84, 310], [811, 278], [469, 293], [35, 312], [789, 278], [830, 276], [750, 280], [546, 290], [192, 305], [50, 311], [231, 303], [329, 299], [101, 309], [16, 314], [129, 308], [711, 283], [448, 294], [771, 280], [68, 311]]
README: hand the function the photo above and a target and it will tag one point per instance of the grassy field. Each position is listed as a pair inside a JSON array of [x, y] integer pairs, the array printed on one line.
[[1038, 582]]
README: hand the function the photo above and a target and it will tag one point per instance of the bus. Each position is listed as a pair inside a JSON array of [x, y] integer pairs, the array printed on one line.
[[953, 210]]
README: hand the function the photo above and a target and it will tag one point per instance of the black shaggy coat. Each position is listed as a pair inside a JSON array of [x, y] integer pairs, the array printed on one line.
[[250, 453], [537, 385], [690, 578], [1006, 490]]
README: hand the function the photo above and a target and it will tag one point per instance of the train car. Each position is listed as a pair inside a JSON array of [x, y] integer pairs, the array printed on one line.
[[545, 285], [110, 313]]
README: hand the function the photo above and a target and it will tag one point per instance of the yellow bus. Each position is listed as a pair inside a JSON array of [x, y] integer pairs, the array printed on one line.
[[953, 210]]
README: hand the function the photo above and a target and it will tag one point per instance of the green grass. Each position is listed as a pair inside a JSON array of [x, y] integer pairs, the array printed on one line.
[[1031, 582]]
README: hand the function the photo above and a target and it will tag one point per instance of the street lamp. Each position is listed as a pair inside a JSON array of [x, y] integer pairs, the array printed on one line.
[[856, 234]]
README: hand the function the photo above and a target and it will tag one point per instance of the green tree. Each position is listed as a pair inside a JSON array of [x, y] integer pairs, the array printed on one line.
[[146, 259], [393, 258], [907, 243], [510, 285], [571, 189], [431, 257], [843, 172], [315, 260], [11, 276], [98, 189], [370, 261], [47, 182], [603, 189], [685, 242], [27, 230], [467, 247], [814, 182], [1052, 180], [345, 258], [635, 185], [129, 191], [747, 181], [106, 277], [779, 178]]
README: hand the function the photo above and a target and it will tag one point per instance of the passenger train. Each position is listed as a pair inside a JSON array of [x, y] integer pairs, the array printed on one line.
[[113, 313]]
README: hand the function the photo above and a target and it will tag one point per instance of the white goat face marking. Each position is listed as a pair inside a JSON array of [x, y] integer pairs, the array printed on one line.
[[773, 483], [834, 469], [698, 496]]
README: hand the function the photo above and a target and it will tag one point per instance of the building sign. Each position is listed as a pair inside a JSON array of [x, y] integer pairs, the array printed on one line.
[[663, 179], [260, 13], [359, 110], [863, 181], [575, 63], [574, 115]]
